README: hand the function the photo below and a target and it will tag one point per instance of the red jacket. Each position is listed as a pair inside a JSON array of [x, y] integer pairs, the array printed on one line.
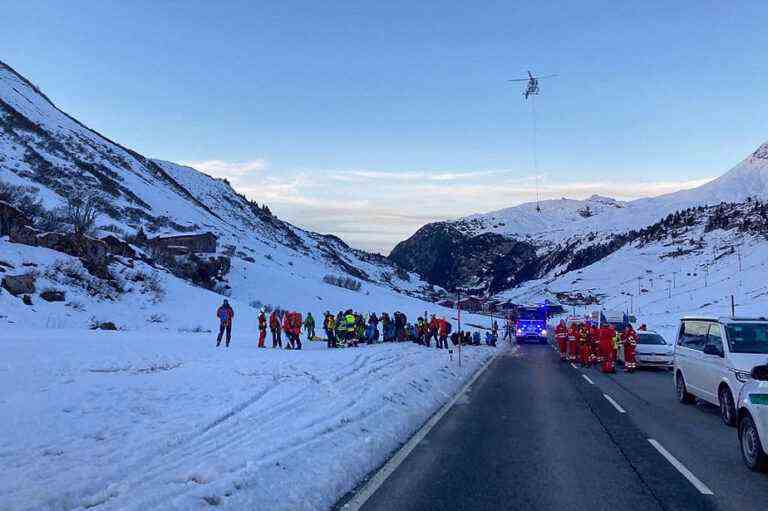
[[274, 321]]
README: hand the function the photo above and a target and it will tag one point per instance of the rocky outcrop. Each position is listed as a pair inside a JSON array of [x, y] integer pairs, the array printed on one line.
[[11, 219], [52, 295], [19, 284], [118, 247], [204, 243], [446, 257]]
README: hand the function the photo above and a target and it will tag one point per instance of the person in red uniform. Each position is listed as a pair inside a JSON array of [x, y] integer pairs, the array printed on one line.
[[585, 347], [605, 335], [629, 340], [262, 328], [573, 342], [561, 336], [594, 337], [442, 334]]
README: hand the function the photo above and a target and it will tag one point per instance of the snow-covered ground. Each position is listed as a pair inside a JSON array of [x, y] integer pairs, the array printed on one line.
[[660, 289], [136, 420]]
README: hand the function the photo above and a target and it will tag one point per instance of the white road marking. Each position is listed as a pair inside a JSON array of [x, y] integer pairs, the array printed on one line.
[[588, 379], [373, 484], [573, 365], [614, 403], [703, 488]]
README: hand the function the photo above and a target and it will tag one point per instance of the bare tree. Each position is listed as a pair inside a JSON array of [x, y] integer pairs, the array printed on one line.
[[82, 210]]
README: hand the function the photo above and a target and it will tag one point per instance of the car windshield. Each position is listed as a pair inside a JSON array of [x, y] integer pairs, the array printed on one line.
[[654, 339], [532, 314], [747, 337]]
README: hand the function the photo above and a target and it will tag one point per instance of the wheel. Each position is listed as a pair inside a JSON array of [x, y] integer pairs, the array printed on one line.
[[727, 407], [751, 449], [682, 391]]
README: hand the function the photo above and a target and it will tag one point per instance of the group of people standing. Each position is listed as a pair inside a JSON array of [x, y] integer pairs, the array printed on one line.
[[588, 344], [347, 328], [350, 328]]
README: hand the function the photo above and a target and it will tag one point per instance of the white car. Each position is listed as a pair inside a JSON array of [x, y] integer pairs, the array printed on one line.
[[753, 420], [652, 350], [714, 358]]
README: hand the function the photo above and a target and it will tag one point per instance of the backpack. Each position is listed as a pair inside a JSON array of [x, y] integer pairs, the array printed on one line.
[[448, 327]]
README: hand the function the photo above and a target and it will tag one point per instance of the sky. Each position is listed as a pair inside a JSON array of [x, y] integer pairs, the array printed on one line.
[[368, 119]]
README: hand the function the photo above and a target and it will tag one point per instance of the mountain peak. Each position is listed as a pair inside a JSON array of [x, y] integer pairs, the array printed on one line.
[[761, 153]]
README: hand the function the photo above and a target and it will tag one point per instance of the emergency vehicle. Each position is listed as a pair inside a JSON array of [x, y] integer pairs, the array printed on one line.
[[532, 323]]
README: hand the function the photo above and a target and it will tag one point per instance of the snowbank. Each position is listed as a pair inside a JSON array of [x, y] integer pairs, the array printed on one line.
[[131, 420]]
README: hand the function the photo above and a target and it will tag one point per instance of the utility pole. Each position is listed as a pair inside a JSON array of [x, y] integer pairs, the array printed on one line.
[[669, 289], [674, 279], [458, 308], [706, 275], [733, 307]]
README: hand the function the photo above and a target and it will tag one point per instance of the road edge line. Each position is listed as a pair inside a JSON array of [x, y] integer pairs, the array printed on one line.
[[695, 481], [381, 475]]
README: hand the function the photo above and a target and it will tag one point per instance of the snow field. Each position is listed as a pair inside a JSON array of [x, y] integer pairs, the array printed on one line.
[[132, 420]]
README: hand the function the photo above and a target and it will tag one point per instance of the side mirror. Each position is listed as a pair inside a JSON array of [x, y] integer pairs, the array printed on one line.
[[711, 349], [760, 373]]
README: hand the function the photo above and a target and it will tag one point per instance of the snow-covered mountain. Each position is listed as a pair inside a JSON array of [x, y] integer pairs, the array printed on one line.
[[559, 234], [46, 156]]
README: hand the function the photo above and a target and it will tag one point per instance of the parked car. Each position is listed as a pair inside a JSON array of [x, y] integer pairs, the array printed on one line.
[[652, 350], [753, 420], [714, 358]]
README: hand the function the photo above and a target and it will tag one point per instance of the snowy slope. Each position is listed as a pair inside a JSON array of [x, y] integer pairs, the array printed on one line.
[[688, 270], [273, 262], [563, 218]]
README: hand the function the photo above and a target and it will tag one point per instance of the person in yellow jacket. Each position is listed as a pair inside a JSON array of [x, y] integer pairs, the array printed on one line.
[[349, 327], [329, 325]]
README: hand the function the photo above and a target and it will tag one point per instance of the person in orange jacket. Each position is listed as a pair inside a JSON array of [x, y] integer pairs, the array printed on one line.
[[586, 356], [573, 342], [225, 315], [594, 337], [274, 328], [442, 333], [629, 340], [262, 328], [561, 336], [606, 334]]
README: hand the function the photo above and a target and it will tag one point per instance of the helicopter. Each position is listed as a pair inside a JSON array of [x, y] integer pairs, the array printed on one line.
[[532, 89]]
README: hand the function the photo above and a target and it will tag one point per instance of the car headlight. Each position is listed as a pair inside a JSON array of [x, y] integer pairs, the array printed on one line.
[[519, 331], [543, 332], [742, 376]]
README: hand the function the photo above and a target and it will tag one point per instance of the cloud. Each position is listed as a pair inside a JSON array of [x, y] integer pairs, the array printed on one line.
[[229, 170], [374, 210]]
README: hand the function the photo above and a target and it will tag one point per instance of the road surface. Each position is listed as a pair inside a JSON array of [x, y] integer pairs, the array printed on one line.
[[534, 433]]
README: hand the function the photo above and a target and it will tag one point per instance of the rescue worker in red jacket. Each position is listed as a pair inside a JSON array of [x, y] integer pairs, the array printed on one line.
[[274, 328], [629, 340], [573, 342], [606, 334], [225, 315], [585, 346], [561, 336], [292, 328], [594, 337], [442, 333], [262, 328]]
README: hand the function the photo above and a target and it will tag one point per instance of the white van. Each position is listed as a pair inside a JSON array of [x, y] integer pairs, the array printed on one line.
[[714, 357]]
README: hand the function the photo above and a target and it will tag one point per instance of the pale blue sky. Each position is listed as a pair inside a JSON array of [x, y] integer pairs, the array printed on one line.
[[367, 119]]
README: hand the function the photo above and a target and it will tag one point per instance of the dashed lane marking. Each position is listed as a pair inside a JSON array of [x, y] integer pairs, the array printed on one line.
[[614, 403], [589, 380], [573, 365], [695, 481]]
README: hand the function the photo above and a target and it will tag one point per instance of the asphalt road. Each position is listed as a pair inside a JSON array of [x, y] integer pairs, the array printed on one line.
[[533, 433]]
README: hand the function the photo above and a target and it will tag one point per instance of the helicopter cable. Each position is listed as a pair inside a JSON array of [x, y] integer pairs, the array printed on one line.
[[535, 151]]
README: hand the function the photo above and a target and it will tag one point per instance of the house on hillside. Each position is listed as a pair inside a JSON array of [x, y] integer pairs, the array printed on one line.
[[193, 243], [471, 304]]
